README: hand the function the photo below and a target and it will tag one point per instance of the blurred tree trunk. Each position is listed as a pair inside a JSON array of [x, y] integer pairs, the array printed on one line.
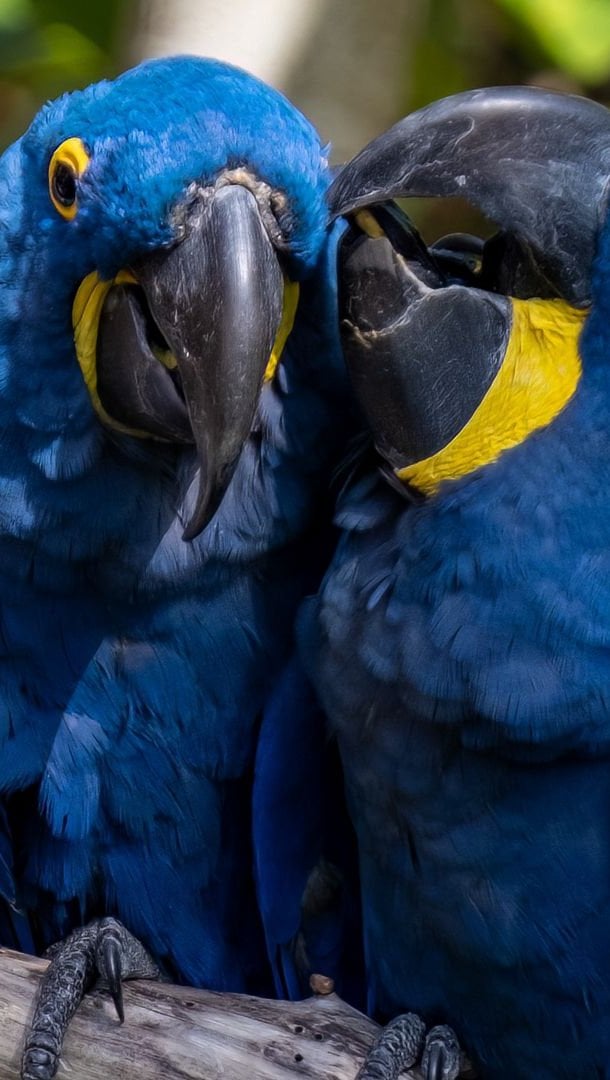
[[345, 63]]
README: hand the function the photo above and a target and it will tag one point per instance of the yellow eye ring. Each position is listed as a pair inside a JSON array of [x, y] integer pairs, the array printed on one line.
[[66, 166]]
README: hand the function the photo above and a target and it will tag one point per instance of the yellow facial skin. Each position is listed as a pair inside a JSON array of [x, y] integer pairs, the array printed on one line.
[[291, 302], [86, 314], [68, 163], [538, 376]]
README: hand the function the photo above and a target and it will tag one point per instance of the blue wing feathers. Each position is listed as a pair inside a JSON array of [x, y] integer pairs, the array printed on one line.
[[134, 667], [305, 867], [460, 649]]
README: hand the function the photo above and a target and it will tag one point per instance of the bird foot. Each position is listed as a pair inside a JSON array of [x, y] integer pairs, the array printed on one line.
[[404, 1042], [442, 1058], [103, 954]]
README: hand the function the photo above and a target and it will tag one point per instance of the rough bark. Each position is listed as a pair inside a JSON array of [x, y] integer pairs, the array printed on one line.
[[176, 1033]]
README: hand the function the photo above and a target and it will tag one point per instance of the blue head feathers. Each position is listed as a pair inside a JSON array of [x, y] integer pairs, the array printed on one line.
[[154, 131], [164, 221], [164, 339]]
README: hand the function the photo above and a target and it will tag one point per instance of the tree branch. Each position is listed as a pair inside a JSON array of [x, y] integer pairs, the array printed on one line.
[[181, 1034]]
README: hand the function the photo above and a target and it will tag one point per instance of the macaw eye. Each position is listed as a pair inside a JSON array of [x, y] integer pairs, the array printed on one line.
[[67, 165]]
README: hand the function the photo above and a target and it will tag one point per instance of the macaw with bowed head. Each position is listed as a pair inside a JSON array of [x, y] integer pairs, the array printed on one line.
[[461, 640], [170, 411]]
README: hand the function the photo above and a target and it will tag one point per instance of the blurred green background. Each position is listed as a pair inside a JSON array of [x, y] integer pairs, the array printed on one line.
[[354, 66]]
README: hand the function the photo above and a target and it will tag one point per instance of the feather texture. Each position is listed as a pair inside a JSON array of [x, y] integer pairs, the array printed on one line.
[[135, 666], [461, 648]]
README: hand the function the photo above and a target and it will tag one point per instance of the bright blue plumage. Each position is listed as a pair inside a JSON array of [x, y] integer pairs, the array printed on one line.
[[135, 665], [461, 648]]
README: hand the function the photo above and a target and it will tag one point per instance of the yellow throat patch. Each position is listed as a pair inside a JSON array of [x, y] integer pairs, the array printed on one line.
[[538, 376], [289, 310], [86, 314]]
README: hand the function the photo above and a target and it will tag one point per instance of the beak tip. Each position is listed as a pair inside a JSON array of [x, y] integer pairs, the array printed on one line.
[[209, 498], [190, 532], [198, 521]]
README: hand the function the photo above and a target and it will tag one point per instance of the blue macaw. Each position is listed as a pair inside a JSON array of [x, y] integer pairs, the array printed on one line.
[[460, 643], [164, 461]]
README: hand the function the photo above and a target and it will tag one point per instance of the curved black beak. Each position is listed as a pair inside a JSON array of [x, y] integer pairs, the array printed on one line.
[[534, 161], [196, 334]]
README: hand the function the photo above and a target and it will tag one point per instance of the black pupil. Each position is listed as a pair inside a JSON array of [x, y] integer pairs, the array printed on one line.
[[64, 185]]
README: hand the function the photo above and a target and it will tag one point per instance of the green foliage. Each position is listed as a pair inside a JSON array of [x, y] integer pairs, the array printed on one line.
[[462, 44], [48, 46], [575, 34]]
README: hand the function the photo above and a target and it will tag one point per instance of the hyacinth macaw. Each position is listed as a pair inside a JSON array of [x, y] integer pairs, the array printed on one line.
[[460, 642], [164, 459]]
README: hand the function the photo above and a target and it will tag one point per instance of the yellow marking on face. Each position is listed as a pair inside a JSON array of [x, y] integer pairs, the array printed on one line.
[[70, 160], [538, 376], [291, 301], [369, 224], [86, 313], [165, 357]]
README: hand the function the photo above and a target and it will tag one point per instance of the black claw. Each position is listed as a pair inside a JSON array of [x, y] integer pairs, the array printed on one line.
[[104, 951], [111, 949], [436, 1063], [442, 1056]]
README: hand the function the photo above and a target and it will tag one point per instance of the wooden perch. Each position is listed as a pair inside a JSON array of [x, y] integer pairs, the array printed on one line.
[[175, 1033]]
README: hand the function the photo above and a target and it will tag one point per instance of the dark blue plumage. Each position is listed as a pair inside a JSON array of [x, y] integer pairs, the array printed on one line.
[[461, 647], [134, 664], [304, 846]]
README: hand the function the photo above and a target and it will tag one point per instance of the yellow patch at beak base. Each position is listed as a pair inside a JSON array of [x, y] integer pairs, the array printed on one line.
[[86, 314], [291, 301], [538, 376]]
